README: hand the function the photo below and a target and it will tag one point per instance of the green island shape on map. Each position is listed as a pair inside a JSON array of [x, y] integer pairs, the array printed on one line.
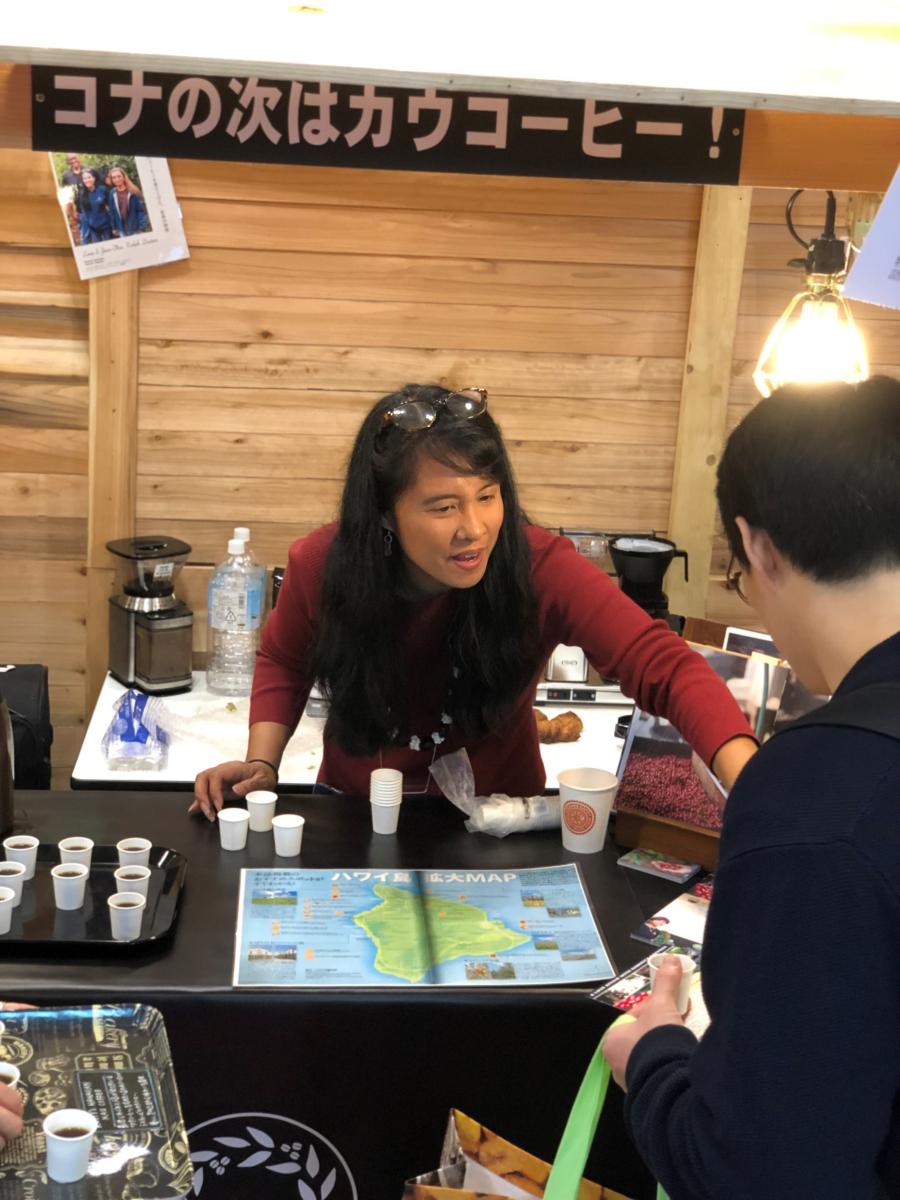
[[396, 926]]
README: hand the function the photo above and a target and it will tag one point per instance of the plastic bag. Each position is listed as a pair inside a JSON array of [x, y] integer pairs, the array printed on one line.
[[496, 814], [136, 739]]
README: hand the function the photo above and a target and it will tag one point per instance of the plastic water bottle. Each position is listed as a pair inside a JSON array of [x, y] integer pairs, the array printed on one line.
[[235, 616], [242, 532]]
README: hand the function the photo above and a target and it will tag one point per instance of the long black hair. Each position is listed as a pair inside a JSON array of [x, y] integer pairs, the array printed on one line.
[[83, 191], [492, 634]]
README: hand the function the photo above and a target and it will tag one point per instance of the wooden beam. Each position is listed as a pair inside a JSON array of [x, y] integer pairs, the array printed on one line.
[[112, 462], [819, 150], [15, 107], [721, 246]]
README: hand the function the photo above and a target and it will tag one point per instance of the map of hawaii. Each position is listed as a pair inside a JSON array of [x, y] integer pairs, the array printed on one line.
[[405, 948]]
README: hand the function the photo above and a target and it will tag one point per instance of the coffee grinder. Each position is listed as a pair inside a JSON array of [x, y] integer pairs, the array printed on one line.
[[150, 629], [641, 561]]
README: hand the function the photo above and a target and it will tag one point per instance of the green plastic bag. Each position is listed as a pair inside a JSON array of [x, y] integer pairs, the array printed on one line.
[[578, 1135]]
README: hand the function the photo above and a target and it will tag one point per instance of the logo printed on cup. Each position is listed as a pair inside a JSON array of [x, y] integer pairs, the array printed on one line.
[[579, 817]]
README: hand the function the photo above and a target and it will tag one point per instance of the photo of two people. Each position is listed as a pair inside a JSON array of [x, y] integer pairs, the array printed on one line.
[[102, 198]]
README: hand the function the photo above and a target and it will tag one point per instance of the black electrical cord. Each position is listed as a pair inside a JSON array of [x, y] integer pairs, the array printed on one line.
[[788, 209], [830, 216]]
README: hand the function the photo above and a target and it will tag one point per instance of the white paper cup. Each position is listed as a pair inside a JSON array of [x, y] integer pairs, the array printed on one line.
[[687, 971], [134, 852], [21, 847], [126, 911], [385, 817], [586, 795], [386, 785], [261, 806], [76, 849], [68, 1157], [9, 1074], [13, 875], [288, 830], [233, 826], [132, 879], [7, 904], [69, 881]]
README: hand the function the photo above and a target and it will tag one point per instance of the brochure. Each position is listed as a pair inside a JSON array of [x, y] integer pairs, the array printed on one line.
[[682, 923], [627, 990], [120, 211], [414, 928], [651, 862]]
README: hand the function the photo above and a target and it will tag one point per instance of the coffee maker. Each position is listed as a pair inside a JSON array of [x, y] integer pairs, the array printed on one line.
[[641, 561], [150, 629]]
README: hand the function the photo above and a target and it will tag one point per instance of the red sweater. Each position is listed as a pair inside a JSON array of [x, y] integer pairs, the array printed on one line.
[[578, 605]]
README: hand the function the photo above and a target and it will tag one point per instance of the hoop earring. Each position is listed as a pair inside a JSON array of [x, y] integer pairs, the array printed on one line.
[[388, 542]]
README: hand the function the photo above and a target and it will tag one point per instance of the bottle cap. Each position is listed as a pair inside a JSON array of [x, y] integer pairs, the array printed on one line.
[[235, 546], [241, 531]]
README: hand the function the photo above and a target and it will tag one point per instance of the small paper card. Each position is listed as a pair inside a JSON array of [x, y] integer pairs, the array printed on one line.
[[627, 990], [680, 924], [651, 862]]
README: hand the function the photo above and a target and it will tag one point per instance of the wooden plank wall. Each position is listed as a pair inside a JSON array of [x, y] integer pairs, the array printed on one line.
[[44, 438], [309, 293]]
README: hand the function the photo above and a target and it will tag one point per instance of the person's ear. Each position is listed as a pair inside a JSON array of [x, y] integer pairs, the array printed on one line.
[[763, 558], [387, 522]]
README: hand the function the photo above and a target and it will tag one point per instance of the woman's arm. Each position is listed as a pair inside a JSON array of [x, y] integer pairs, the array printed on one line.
[[581, 606], [258, 771], [731, 758]]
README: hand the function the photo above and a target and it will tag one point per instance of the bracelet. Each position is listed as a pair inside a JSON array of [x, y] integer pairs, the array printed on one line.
[[265, 762]]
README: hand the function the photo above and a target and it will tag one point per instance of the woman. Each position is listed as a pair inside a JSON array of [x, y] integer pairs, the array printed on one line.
[[126, 205], [94, 218], [428, 612]]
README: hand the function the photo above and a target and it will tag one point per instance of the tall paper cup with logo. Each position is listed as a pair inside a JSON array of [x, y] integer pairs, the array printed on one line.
[[586, 796]]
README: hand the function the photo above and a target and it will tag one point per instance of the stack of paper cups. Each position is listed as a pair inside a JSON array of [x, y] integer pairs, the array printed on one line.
[[386, 796]]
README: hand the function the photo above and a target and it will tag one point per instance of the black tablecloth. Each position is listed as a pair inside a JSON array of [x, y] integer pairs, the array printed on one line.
[[366, 1078]]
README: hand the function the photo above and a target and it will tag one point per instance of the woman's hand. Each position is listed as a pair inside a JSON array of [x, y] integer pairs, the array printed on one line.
[[239, 777]]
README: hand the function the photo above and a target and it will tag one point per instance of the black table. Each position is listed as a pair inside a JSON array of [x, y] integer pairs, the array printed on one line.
[[365, 1078]]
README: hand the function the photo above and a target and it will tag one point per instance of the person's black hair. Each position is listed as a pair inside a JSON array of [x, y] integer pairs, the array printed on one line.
[[817, 466], [492, 634], [83, 192]]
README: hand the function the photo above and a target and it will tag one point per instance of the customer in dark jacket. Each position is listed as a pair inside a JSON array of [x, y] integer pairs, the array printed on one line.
[[794, 1090], [129, 213]]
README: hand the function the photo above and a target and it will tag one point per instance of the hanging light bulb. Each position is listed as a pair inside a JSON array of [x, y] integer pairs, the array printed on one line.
[[816, 339]]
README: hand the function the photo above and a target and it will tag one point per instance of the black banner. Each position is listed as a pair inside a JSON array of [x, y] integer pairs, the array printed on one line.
[[364, 125]]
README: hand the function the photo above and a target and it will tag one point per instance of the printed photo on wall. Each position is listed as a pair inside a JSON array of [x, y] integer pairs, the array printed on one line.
[[120, 211]]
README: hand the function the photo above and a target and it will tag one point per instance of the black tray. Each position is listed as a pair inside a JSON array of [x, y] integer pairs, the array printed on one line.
[[38, 922], [113, 1060]]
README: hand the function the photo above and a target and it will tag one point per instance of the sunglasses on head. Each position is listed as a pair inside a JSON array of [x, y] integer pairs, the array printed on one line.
[[414, 415]]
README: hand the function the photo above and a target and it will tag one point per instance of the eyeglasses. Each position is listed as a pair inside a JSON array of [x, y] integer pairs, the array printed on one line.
[[733, 579], [414, 415]]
